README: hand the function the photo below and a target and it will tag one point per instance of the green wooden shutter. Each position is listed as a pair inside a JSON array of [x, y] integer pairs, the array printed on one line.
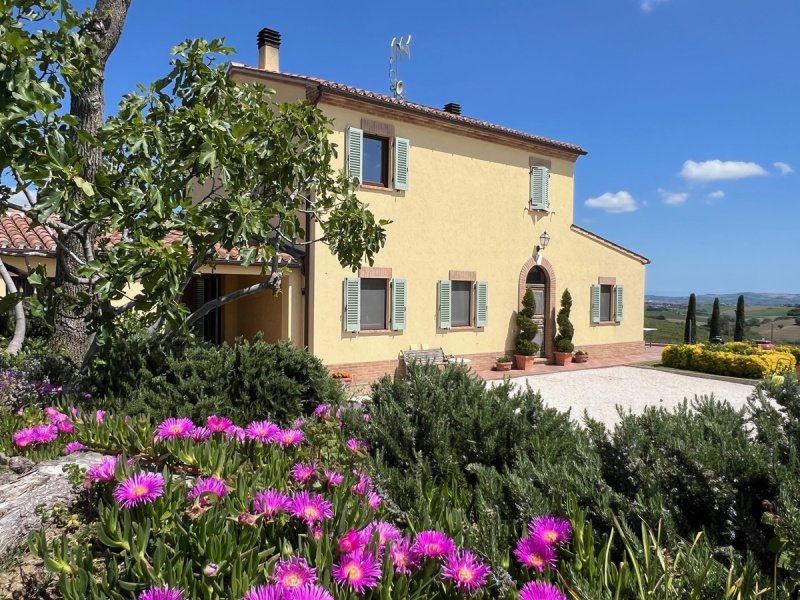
[[481, 303], [595, 304], [401, 150], [540, 184], [620, 295], [398, 304], [352, 304], [354, 142], [444, 304]]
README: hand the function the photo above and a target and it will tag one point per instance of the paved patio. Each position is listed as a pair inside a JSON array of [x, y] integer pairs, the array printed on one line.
[[650, 353]]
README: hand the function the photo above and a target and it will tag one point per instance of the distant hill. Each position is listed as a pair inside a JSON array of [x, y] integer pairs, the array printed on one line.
[[750, 298]]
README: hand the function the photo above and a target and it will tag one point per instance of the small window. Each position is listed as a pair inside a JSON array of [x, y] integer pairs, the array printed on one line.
[[461, 302], [375, 166], [373, 303], [606, 303]]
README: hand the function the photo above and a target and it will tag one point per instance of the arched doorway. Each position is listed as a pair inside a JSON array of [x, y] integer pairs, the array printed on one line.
[[536, 280]]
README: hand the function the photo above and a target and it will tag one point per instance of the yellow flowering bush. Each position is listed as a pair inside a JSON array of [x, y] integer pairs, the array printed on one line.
[[736, 359]]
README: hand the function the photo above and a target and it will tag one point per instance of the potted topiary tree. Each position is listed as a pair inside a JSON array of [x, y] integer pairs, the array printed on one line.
[[563, 341], [525, 348]]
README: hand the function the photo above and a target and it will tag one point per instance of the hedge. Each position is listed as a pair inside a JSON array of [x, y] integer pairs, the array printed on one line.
[[736, 360]]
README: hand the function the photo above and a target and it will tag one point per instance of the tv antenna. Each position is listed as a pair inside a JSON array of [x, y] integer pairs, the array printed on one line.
[[399, 48]]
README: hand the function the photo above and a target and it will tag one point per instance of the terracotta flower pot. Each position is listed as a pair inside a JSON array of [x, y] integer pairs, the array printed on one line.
[[502, 366], [523, 363], [562, 358], [580, 358]]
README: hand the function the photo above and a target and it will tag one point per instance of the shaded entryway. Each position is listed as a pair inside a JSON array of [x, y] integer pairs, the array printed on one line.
[[539, 277]]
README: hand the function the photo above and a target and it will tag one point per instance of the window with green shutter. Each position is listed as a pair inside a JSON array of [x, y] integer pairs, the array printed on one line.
[[620, 295], [352, 304], [540, 185], [354, 143], [401, 152], [444, 304], [595, 303], [607, 302], [398, 304], [481, 303]]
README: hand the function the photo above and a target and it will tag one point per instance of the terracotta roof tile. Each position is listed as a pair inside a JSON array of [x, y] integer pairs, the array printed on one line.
[[19, 236], [405, 104]]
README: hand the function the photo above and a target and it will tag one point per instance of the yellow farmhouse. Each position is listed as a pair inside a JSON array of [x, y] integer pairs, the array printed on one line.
[[479, 214]]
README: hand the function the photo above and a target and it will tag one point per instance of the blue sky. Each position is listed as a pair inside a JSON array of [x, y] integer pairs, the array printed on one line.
[[690, 109]]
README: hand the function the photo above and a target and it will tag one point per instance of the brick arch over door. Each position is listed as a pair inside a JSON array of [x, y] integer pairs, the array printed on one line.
[[550, 317]]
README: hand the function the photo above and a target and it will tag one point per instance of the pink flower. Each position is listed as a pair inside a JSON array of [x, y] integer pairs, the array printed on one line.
[[211, 570], [100, 416], [386, 532], [374, 500], [312, 508], [265, 592], [364, 484], [205, 486], [466, 572], [298, 422], [139, 488], [290, 437], [73, 447], [23, 437], [174, 428], [535, 554], [55, 416], [540, 590], [39, 434], [303, 472], [333, 478], [322, 411], [402, 558], [103, 471], [309, 591], [366, 418], [162, 593], [201, 434], [270, 502], [351, 541], [293, 573], [245, 518], [262, 431], [65, 426], [235, 432], [358, 570], [432, 544], [356, 445], [218, 424], [550, 530]]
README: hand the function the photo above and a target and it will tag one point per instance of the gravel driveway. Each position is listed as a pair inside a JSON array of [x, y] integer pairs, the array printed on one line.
[[599, 391]]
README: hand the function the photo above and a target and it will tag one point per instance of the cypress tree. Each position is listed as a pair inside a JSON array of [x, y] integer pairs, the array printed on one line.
[[690, 329], [563, 340], [713, 323], [525, 345], [738, 331]]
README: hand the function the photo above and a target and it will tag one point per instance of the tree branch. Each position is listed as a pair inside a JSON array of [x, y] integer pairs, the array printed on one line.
[[15, 345]]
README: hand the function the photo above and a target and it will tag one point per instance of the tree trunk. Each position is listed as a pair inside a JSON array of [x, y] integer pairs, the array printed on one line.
[[87, 106], [15, 345]]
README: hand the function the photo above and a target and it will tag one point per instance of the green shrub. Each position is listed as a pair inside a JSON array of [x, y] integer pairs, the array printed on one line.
[[563, 340], [248, 380], [525, 345]]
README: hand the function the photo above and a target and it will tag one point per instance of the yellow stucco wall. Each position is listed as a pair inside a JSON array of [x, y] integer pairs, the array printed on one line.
[[466, 209]]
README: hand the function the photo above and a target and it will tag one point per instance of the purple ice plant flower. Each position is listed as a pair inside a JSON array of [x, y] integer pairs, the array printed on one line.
[[162, 593], [235, 432], [73, 447], [386, 532], [55, 416], [352, 540], [103, 472], [333, 478], [466, 572], [309, 591], [355, 445], [402, 558], [262, 431], [293, 572], [312, 508], [38, 434], [358, 570], [270, 502], [432, 544], [99, 415], [174, 428], [374, 500], [218, 424], [535, 554], [540, 590], [139, 488], [304, 472], [322, 411], [289, 437], [364, 484], [200, 434], [65, 426], [205, 486], [550, 530]]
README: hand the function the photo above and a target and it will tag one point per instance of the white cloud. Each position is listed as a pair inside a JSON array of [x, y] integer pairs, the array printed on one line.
[[716, 195], [783, 167], [649, 5], [673, 197], [715, 170], [618, 202]]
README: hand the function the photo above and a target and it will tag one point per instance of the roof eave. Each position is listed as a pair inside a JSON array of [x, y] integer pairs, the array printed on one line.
[[608, 243]]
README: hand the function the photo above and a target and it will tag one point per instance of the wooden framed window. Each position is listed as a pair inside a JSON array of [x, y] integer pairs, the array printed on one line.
[[607, 301], [375, 156], [463, 303], [375, 168], [374, 303]]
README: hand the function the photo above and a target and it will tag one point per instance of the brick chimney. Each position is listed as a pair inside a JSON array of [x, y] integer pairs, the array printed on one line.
[[269, 44]]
